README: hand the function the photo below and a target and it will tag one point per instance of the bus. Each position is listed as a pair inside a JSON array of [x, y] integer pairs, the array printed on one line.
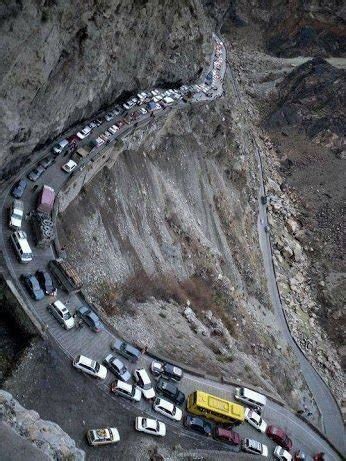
[[212, 407]]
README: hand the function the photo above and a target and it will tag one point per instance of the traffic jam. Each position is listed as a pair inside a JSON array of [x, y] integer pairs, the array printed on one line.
[[204, 413]]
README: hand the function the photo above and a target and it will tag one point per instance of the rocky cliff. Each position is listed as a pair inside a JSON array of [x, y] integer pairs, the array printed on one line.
[[25, 436], [293, 28], [62, 61]]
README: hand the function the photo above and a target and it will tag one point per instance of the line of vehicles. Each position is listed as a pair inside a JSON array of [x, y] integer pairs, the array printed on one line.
[[206, 414]]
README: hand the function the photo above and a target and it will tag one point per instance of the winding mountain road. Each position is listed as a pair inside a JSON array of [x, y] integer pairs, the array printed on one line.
[[97, 345]]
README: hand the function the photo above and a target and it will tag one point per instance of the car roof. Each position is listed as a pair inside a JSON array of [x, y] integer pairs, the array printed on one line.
[[165, 404], [144, 375], [124, 386], [150, 423]]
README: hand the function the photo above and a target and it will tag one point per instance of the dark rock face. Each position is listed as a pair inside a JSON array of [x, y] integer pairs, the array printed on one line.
[[307, 28], [61, 61], [312, 99], [290, 28]]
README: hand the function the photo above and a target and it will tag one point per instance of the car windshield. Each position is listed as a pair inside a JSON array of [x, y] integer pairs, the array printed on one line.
[[96, 366]]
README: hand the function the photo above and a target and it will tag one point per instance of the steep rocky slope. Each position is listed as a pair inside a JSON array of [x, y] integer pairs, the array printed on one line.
[[62, 61], [25, 436], [174, 224]]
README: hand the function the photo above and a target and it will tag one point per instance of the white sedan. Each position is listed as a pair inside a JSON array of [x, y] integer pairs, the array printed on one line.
[[150, 426], [143, 382], [84, 132], [104, 436], [281, 454], [69, 166], [167, 409], [255, 420], [89, 366]]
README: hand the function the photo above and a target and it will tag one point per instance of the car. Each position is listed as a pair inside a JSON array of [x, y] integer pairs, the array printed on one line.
[[255, 420], [92, 125], [69, 166], [126, 350], [251, 398], [60, 146], [47, 161], [109, 116], [32, 286], [170, 391], [117, 367], [167, 409], [280, 437], [46, 282], [118, 110], [143, 111], [90, 318], [113, 129], [18, 189], [150, 426], [36, 173], [199, 425], [90, 367], [99, 141], [227, 436], [98, 121], [126, 390], [281, 454], [105, 436], [167, 370], [299, 456], [84, 132], [254, 447], [62, 314], [143, 381]]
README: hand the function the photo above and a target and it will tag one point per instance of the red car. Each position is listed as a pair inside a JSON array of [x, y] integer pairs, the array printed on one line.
[[280, 437], [227, 435]]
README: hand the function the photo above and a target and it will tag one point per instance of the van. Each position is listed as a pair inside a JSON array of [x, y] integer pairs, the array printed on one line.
[[21, 246], [62, 314], [252, 398], [16, 214], [45, 201]]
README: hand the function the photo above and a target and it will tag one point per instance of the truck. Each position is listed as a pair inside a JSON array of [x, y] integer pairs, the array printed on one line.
[[45, 200], [66, 275], [43, 229], [16, 213]]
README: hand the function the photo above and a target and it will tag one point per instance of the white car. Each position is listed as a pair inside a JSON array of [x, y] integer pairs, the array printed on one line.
[[143, 111], [84, 132], [126, 390], [254, 447], [281, 454], [104, 436], [167, 409], [255, 420], [69, 166], [58, 148], [150, 426], [89, 366], [113, 129], [62, 314], [128, 105], [143, 381]]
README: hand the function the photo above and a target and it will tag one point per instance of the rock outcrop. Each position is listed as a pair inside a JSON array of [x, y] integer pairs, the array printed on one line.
[[312, 99], [50, 440]]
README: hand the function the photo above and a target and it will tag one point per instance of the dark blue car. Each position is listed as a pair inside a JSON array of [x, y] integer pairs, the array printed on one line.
[[32, 286], [90, 318], [19, 188]]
